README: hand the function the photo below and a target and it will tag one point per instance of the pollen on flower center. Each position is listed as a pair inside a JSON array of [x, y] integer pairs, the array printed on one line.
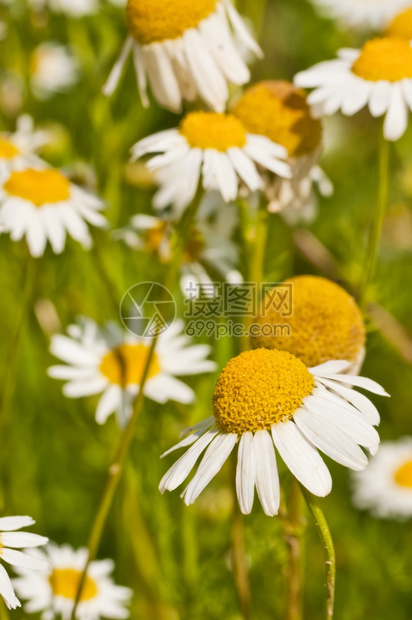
[[403, 475], [208, 130], [150, 21], [384, 59], [259, 388], [324, 323], [65, 582], [39, 187], [279, 111], [7, 149], [401, 26], [124, 365]]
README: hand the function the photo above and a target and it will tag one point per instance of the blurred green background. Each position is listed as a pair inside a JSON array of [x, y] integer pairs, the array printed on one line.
[[54, 457]]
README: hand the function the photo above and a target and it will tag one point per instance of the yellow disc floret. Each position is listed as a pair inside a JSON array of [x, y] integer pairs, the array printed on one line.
[[260, 388], [384, 59], [279, 111], [65, 582], [124, 365], [401, 26], [151, 21], [403, 475], [39, 187], [209, 130], [326, 323], [7, 149]]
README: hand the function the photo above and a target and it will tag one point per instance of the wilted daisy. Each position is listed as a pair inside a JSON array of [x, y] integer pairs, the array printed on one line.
[[19, 148], [53, 69], [386, 487], [53, 593], [215, 148], [185, 50], [110, 362], [40, 204], [279, 111], [10, 540], [314, 319], [268, 400], [362, 13], [379, 75]]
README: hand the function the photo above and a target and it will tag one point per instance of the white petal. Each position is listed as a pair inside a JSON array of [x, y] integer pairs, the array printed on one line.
[[226, 177], [241, 30], [19, 540], [245, 168], [116, 72], [8, 524], [246, 473], [358, 400], [161, 76], [396, 119], [267, 479], [187, 441], [17, 558], [380, 98], [141, 73], [331, 367], [78, 389], [362, 382], [108, 403], [7, 591]]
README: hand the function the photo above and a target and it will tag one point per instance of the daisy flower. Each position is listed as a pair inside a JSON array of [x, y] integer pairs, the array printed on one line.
[[110, 362], [321, 322], [379, 75], [53, 69], [40, 203], [185, 50], [268, 401], [386, 487], [279, 111], [215, 148], [10, 540], [361, 13], [19, 148], [53, 593]]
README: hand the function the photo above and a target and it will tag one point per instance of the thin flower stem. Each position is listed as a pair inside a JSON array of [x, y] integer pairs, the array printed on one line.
[[14, 348], [117, 466], [375, 231], [4, 612], [106, 280], [294, 529], [326, 538], [239, 562]]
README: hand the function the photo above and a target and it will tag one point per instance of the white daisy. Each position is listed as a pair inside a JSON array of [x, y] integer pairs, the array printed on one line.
[[214, 148], [385, 488], [10, 540], [19, 148], [39, 203], [53, 594], [53, 69], [361, 13], [185, 49], [379, 76], [279, 111], [110, 362], [72, 8], [266, 400]]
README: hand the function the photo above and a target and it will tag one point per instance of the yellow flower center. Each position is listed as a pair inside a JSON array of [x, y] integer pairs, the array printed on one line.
[[154, 236], [124, 365], [384, 59], [260, 388], [39, 187], [326, 323], [65, 582], [279, 111], [158, 20], [401, 26], [403, 475], [208, 130], [7, 149]]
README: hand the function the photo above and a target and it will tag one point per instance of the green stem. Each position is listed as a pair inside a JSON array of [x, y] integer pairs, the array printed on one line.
[[106, 280], [14, 349], [326, 538], [239, 561], [294, 528], [117, 466], [375, 231], [4, 612]]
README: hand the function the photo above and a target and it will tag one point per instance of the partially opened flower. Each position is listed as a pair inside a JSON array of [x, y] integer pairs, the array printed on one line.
[[53, 69], [213, 148], [53, 593], [40, 203], [19, 148], [185, 50], [279, 111], [110, 362], [379, 75], [314, 319], [362, 13], [385, 489], [10, 540], [268, 401]]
